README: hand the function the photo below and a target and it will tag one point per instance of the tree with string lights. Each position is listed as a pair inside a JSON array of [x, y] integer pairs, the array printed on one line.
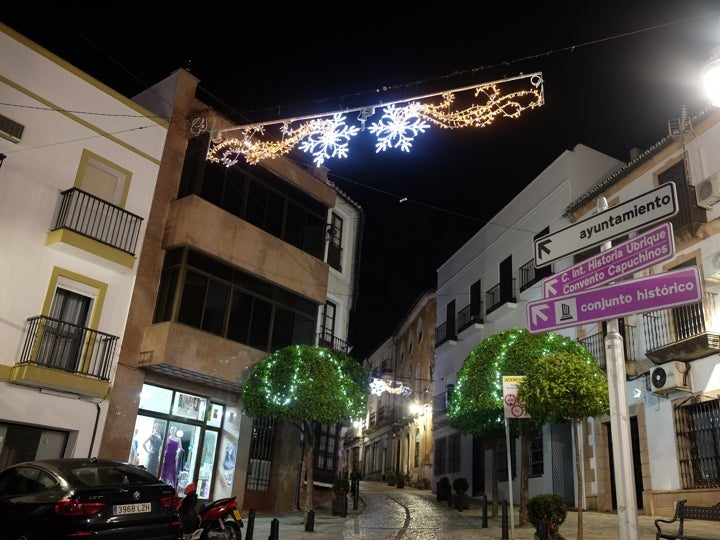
[[307, 385], [564, 386], [476, 406]]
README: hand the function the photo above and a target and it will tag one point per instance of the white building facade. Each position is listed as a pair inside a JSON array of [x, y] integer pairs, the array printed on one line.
[[77, 180], [669, 369]]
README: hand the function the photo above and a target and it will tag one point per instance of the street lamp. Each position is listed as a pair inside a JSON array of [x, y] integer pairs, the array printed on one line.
[[710, 74]]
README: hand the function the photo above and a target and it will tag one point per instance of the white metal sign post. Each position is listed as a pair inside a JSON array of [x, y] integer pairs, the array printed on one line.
[[513, 409], [654, 206]]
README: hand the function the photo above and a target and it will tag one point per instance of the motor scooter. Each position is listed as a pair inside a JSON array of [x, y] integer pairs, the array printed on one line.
[[214, 520]]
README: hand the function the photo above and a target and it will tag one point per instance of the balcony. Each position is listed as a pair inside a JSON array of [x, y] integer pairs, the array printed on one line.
[[529, 275], [466, 319], [499, 301], [64, 357], [95, 230], [595, 344], [326, 339], [445, 334], [683, 333]]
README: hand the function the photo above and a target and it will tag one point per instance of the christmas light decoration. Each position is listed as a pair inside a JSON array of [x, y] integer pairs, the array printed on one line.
[[378, 386], [327, 136]]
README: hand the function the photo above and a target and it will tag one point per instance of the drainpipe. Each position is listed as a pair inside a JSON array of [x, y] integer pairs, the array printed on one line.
[[95, 427]]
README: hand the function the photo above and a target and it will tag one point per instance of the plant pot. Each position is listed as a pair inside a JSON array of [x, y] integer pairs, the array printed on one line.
[[339, 506], [460, 502], [400, 482], [442, 493]]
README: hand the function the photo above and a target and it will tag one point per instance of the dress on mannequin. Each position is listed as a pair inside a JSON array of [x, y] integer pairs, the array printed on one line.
[[170, 462]]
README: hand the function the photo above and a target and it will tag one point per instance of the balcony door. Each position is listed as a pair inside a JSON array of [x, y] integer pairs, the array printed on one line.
[[62, 339]]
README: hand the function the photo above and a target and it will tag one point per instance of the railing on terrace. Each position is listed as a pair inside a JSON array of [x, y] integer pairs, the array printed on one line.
[[465, 317], [667, 326], [441, 334], [440, 404], [326, 339], [60, 345], [595, 344], [95, 218], [494, 298]]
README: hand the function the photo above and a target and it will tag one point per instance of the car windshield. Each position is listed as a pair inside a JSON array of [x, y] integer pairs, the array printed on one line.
[[111, 475]]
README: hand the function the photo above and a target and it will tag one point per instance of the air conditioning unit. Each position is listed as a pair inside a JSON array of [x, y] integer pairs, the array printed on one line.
[[711, 267], [708, 191], [668, 378]]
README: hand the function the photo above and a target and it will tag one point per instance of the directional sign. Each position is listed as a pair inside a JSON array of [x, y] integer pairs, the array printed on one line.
[[640, 252], [669, 289], [651, 207]]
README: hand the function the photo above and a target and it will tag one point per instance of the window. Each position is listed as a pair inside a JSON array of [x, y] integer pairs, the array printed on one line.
[[230, 303], [453, 453], [439, 467], [326, 436], [257, 195], [261, 445], [335, 237], [327, 329], [417, 448], [536, 457], [103, 179], [698, 433], [72, 305]]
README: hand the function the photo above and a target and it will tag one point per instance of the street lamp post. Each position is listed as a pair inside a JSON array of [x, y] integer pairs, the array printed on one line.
[[710, 75]]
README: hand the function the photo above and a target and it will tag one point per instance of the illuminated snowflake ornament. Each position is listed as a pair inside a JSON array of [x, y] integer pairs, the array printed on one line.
[[398, 127], [328, 138]]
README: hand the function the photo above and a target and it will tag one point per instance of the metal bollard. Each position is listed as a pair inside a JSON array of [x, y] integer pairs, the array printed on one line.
[[505, 534], [310, 522], [484, 515], [274, 529], [250, 525]]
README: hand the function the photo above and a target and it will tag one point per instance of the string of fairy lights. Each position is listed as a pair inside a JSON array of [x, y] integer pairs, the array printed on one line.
[[328, 135]]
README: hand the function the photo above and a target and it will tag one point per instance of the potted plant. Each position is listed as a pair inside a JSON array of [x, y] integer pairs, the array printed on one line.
[[341, 488], [547, 512], [391, 477], [443, 490], [460, 485], [400, 480]]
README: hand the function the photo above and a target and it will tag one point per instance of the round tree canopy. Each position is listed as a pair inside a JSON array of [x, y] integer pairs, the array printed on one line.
[[476, 405], [305, 382]]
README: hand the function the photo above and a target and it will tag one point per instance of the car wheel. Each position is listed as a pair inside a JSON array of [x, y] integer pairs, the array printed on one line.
[[233, 530]]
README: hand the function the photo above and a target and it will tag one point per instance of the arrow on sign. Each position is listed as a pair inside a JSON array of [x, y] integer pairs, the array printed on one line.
[[642, 295], [638, 253], [654, 206]]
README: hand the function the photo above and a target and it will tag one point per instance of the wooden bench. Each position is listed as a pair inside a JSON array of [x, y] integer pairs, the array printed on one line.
[[684, 513]]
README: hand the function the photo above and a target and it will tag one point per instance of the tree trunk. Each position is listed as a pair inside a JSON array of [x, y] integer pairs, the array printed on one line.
[[525, 445], [581, 485], [309, 466], [494, 480]]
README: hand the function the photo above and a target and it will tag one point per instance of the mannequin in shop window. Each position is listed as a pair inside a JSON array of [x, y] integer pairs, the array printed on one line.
[[152, 446], [173, 448]]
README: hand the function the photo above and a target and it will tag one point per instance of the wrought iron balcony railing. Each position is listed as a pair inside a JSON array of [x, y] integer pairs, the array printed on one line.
[[466, 317], [595, 344], [60, 345], [684, 332], [326, 339], [95, 218]]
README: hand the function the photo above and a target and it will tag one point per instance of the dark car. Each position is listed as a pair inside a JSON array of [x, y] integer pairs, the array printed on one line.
[[78, 498]]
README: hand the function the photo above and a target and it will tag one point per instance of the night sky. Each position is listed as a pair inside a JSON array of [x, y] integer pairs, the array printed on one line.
[[614, 75]]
